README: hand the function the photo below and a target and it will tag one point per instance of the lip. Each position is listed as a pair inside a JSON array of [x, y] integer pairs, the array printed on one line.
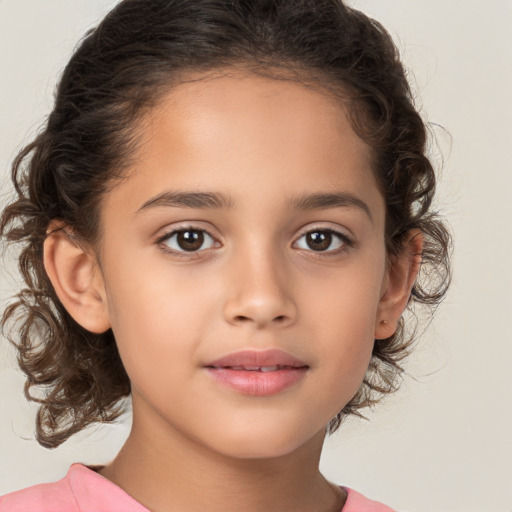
[[272, 357], [242, 371]]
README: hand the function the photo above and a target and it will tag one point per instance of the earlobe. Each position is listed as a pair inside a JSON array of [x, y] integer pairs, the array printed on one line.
[[76, 279], [399, 280]]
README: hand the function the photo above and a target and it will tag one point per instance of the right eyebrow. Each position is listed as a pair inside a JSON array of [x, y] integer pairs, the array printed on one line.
[[188, 200]]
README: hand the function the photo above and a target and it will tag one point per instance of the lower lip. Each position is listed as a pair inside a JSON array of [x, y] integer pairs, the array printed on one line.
[[256, 383]]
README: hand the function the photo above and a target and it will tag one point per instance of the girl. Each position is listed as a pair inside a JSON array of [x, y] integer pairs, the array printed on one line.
[[224, 219]]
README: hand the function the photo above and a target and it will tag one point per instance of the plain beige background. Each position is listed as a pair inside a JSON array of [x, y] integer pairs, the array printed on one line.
[[443, 443]]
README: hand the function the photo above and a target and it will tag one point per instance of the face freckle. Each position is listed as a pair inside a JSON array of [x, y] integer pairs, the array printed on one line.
[[265, 168]]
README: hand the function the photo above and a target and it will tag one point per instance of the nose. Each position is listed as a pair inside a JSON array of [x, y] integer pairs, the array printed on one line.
[[259, 292]]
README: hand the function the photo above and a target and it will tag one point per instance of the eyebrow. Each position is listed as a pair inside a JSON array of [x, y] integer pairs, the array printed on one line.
[[215, 200]]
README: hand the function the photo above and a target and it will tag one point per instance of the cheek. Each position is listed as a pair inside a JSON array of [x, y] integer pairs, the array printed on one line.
[[348, 302], [345, 320], [146, 318]]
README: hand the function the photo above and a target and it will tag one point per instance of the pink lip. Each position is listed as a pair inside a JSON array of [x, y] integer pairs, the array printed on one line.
[[271, 357], [242, 372]]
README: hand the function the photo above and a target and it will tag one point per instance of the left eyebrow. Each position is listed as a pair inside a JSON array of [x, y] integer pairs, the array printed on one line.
[[306, 202], [330, 200]]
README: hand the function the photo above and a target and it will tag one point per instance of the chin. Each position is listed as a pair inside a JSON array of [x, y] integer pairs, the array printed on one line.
[[266, 443]]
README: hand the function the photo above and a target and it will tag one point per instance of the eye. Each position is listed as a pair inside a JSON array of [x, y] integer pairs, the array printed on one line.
[[186, 240], [189, 241], [324, 240]]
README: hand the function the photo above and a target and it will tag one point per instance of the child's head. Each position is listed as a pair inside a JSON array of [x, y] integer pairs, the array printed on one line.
[[259, 100]]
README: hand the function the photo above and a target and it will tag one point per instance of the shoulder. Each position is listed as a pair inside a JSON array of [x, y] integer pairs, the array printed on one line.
[[41, 498], [81, 490], [356, 502]]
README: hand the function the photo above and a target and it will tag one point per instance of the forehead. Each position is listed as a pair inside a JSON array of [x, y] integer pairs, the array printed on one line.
[[246, 133], [237, 103]]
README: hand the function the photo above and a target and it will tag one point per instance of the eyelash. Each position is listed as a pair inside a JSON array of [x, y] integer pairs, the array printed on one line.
[[346, 241]]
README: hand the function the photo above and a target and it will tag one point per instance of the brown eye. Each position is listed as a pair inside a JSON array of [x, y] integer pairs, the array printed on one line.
[[188, 240], [323, 240], [319, 240]]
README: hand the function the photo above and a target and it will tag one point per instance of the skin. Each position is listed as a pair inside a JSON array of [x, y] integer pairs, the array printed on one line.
[[256, 284]]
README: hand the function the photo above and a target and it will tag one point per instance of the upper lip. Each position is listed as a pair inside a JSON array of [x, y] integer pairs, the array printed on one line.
[[257, 358]]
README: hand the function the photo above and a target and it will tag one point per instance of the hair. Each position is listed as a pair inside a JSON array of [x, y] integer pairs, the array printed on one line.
[[119, 71]]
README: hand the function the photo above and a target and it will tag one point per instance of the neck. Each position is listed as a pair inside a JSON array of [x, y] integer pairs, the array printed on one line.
[[164, 470]]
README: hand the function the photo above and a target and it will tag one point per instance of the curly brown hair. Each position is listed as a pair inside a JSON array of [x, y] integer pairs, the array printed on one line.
[[120, 69]]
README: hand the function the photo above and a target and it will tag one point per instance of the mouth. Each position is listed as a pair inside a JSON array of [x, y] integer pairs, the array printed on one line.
[[257, 373], [254, 368]]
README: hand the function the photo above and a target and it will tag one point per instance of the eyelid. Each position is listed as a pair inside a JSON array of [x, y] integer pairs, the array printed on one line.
[[170, 232], [346, 238], [344, 232]]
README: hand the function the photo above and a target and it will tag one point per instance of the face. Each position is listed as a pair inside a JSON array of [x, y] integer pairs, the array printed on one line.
[[243, 264]]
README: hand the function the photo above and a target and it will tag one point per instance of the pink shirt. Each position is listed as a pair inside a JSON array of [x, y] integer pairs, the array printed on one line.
[[84, 490]]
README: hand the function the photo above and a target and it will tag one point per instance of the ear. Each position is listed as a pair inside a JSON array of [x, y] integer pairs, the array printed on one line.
[[76, 277], [397, 285]]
